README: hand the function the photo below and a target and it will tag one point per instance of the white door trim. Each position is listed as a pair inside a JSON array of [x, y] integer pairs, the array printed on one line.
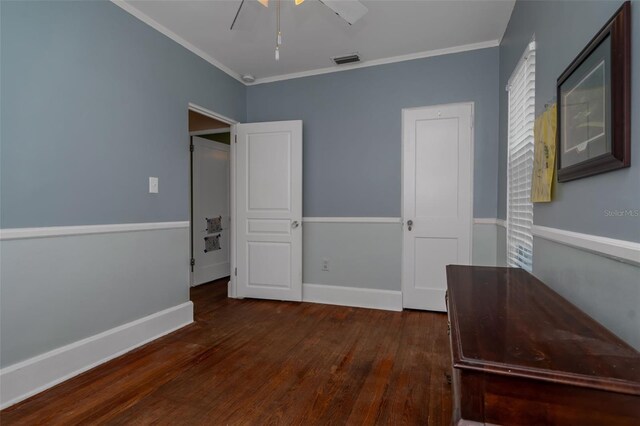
[[211, 114], [403, 282], [210, 131], [231, 287], [232, 206]]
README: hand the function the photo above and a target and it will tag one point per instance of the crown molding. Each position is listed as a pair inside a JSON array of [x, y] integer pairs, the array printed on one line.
[[382, 61], [401, 58], [175, 37]]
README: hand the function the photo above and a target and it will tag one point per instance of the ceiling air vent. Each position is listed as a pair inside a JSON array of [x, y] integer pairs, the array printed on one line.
[[346, 59]]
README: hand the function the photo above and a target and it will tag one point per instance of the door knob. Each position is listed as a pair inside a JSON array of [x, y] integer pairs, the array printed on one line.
[[295, 224], [409, 225]]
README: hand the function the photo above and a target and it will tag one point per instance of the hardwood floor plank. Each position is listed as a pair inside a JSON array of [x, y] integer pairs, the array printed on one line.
[[409, 380], [247, 362]]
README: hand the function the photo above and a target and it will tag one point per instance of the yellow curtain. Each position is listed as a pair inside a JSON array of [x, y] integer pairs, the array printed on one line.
[[544, 155]]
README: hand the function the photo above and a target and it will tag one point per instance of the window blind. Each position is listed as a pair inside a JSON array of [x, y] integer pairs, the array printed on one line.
[[521, 90]]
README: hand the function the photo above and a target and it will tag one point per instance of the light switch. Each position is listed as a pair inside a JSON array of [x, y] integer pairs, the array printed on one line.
[[153, 185]]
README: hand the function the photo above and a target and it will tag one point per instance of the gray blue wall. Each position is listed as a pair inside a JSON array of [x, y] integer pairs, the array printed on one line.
[[352, 156], [93, 103], [361, 255], [562, 29], [605, 288], [352, 128], [56, 291]]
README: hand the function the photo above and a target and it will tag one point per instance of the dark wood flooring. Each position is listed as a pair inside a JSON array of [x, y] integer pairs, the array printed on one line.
[[256, 362]]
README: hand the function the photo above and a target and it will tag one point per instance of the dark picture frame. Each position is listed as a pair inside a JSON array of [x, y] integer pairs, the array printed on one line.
[[594, 104]]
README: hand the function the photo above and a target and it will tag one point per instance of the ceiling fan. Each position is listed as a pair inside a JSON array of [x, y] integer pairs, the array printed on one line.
[[265, 3], [350, 11]]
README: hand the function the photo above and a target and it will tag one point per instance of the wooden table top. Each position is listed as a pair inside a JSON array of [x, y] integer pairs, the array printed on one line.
[[506, 321]]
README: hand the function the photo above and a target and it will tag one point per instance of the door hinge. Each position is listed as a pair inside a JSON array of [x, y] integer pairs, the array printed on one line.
[[236, 138], [235, 272], [191, 148], [193, 262]]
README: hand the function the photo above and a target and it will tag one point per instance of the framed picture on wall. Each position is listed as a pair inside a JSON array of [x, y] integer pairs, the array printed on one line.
[[594, 104]]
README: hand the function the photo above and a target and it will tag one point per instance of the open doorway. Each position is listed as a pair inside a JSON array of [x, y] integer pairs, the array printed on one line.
[[210, 196], [264, 193]]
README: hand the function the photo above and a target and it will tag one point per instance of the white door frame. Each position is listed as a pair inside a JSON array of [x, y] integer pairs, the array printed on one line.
[[210, 132], [403, 282], [232, 199]]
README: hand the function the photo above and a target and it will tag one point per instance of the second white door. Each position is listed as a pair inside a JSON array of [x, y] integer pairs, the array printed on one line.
[[269, 210], [437, 200]]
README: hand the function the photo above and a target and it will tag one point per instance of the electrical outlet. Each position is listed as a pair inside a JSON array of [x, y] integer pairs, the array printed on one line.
[[325, 264]]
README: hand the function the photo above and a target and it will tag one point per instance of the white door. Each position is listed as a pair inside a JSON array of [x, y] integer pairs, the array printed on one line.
[[269, 210], [437, 201], [210, 225]]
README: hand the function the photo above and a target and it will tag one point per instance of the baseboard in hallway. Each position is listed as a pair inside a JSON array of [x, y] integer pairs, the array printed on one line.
[[352, 296]]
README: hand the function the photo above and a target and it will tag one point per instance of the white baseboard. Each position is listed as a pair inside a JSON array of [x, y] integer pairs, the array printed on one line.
[[32, 376], [388, 300]]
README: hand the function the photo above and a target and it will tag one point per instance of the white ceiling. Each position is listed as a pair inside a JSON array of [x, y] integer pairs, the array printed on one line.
[[312, 33]]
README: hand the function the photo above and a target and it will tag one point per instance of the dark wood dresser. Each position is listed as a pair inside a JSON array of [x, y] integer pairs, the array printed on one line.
[[523, 355]]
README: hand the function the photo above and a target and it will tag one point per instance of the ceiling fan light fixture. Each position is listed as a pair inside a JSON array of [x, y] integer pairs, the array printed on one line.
[[265, 3], [350, 11], [278, 33]]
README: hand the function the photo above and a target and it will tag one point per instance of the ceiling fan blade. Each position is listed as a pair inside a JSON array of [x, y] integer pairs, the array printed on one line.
[[350, 11], [237, 13], [265, 3]]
